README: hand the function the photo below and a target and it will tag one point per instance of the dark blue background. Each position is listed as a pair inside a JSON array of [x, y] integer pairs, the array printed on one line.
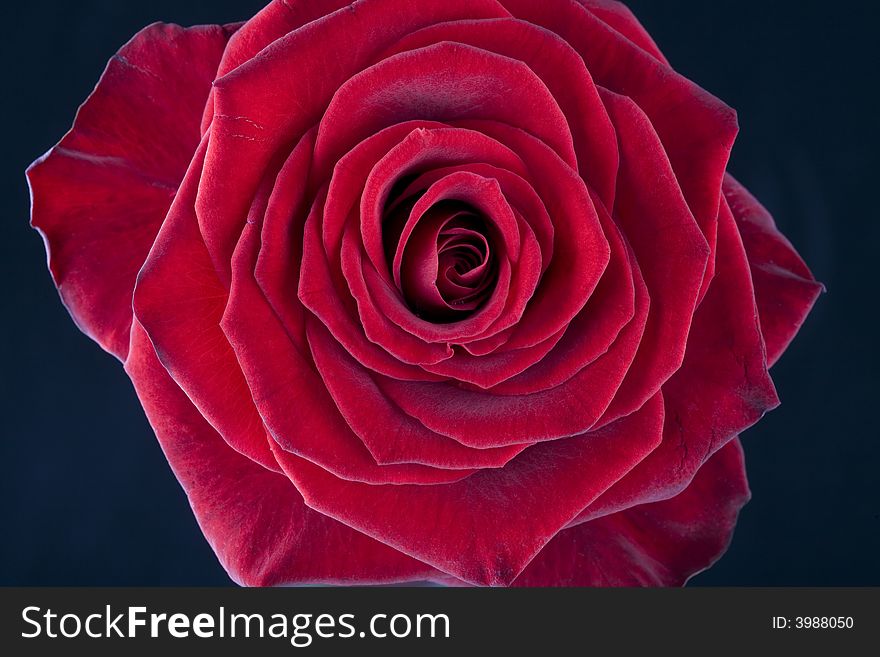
[[87, 497]]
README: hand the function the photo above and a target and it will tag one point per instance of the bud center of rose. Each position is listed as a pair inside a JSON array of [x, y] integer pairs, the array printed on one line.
[[441, 258]]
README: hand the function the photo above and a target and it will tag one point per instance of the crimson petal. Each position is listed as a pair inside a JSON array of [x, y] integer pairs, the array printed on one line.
[[254, 519], [618, 16], [275, 20], [669, 247], [100, 195], [486, 528], [391, 436], [445, 82], [181, 314], [726, 362], [784, 287], [696, 129], [291, 399], [659, 544], [560, 68]]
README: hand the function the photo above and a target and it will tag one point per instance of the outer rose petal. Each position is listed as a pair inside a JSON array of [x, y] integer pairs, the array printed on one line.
[[275, 20], [725, 362], [100, 195], [784, 287], [620, 18], [669, 248], [486, 528], [254, 519], [697, 130], [179, 302], [659, 544]]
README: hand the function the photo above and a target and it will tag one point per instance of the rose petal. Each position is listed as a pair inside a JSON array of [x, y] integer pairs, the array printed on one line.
[[100, 195], [725, 362], [181, 314], [597, 327], [381, 304], [429, 149], [696, 129], [254, 519], [419, 149], [784, 287], [618, 16], [483, 419], [559, 67], [581, 249], [444, 82], [486, 528], [671, 251], [389, 319], [275, 20], [291, 398], [324, 292], [277, 271], [391, 436], [518, 191], [659, 544]]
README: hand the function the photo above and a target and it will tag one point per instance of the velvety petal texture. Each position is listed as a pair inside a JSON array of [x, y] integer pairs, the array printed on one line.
[[100, 195], [657, 544], [456, 290]]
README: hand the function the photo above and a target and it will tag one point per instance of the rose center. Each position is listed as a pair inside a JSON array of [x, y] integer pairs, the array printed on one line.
[[441, 258]]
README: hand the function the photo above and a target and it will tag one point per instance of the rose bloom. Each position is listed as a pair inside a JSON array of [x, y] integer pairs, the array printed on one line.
[[449, 290]]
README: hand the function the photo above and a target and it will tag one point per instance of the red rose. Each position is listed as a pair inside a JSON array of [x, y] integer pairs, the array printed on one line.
[[444, 290]]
